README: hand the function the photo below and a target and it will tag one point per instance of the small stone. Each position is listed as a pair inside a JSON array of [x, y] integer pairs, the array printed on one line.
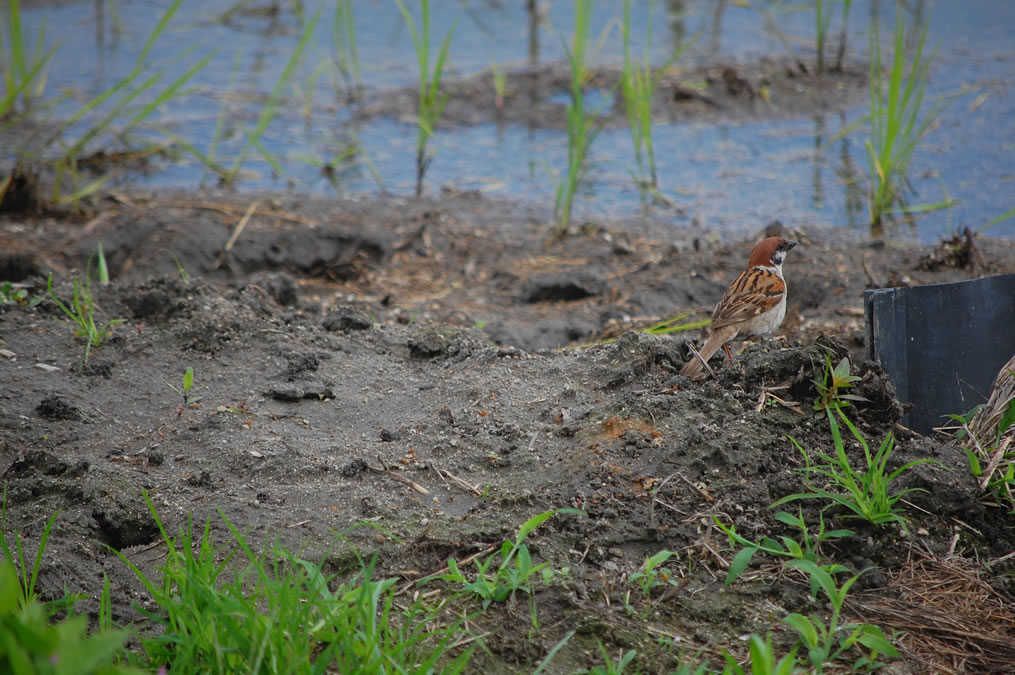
[[347, 319], [288, 394]]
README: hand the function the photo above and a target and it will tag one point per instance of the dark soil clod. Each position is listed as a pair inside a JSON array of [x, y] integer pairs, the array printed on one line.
[[56, 409]]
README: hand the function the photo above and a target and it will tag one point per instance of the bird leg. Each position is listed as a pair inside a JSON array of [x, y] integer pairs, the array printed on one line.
[[729, 354]]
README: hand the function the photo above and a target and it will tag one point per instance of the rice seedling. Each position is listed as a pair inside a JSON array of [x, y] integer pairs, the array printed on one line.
[[431, 100], [253, 136], [582, 127], [122, 95], [841, 53], [638, 85], [822, 19], [997, 220], [896, 123], [347, 61], [864, 493], [80, 312], [273, 612], [25, 66], [117, 102]]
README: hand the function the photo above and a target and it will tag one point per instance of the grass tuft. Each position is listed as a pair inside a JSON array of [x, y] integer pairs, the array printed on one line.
[[273, 612], [866, 493]]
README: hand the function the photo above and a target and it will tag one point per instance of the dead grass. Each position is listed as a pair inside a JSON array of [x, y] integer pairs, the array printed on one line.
[[950, 618]]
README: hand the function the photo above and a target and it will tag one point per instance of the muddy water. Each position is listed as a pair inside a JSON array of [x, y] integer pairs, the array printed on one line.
[[732, 175]]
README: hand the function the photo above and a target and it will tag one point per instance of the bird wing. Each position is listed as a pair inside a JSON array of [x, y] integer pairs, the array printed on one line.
[[754, 292]]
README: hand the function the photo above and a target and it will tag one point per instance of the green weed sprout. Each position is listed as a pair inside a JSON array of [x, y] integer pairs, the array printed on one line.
[[499, 85], [582, 127], [81, 311], [513, 574], [786, 547], [998, 476], [431, 101], [29, 643], [624, 659], [184, 390], [834, 380], [895, 120], [24, 582], [652, 574], [638, 84], [10, 295], [762, 653], [986, 436], [826, 643], [866, 495]]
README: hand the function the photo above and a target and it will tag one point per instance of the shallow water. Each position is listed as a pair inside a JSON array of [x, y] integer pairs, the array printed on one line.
[[730, 176]]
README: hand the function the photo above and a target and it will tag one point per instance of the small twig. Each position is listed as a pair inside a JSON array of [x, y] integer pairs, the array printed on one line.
[[966, 525], [468, 487], [703, 361], [444, 570], [668, 506], [399, 477], [998, 561], [952, 544], [789, 405], [227, 209], [704, 495], [240, 226]]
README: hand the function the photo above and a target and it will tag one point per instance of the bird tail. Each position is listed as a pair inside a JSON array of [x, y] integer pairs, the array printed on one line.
[[715, 340]]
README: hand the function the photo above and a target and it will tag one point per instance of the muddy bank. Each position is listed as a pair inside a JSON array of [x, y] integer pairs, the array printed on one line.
[[535, 97], [396, 363]]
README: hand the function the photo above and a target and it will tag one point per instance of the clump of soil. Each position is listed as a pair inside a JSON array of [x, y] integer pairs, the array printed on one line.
[[338, 346]]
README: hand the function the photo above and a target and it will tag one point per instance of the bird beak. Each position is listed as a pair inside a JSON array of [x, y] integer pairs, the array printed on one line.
[[790, 244]]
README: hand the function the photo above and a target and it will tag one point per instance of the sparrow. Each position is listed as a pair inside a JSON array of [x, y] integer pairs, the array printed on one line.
[[754, 304]]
